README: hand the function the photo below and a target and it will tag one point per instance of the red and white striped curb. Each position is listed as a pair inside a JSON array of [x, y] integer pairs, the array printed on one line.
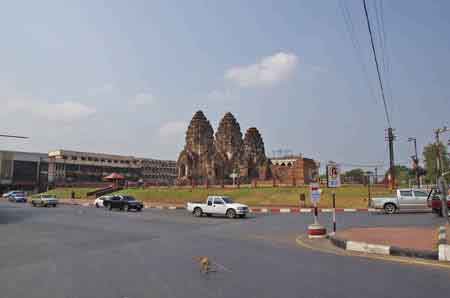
[[256, 209], [260, 209], [309, 210]]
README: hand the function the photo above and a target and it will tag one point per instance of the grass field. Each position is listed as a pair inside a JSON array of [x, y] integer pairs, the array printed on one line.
[[346, 196], [65, 193]]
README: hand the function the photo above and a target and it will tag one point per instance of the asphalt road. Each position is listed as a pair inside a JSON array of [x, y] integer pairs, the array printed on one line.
[[86, 252]]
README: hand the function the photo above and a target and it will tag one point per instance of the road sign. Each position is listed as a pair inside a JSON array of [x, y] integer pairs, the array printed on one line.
[[314, 192], [333, 175]]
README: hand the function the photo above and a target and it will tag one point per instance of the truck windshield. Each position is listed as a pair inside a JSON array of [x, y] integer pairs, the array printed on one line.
[[227, 200]]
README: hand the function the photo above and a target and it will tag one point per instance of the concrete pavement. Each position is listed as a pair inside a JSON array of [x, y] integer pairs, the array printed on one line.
[[87, 252]]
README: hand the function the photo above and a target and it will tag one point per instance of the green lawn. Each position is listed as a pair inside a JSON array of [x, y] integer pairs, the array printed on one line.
[[65, 193], [346, 197]]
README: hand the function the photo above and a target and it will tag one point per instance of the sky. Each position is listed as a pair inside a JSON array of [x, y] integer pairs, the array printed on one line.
[[126, 77]]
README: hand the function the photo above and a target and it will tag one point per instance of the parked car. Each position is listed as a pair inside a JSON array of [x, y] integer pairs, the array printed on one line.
[[43, 200], [218, 205], [9, 193], [99, 201], [123, 202], [435, 203], [405, 199], [18, 197]]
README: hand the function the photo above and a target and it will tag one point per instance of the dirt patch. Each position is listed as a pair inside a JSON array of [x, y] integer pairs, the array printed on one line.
[[411, 237]]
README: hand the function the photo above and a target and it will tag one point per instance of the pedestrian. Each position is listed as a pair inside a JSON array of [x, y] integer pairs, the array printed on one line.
[[72, 195]]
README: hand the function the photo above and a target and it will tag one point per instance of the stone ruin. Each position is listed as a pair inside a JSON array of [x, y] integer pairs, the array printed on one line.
[[209, 160]]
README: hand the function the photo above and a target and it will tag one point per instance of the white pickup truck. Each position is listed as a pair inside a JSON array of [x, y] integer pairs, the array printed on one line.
[[405, 199], [218, 205]]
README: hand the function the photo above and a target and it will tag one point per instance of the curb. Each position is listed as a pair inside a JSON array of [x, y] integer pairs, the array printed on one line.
[[383, 249], [443, 247], [257, 209], [442, 238], [276, 210]]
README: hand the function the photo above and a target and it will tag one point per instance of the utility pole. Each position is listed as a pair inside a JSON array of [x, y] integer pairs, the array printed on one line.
[[390, 138], [438, 149], [415, 159], [441, 183]]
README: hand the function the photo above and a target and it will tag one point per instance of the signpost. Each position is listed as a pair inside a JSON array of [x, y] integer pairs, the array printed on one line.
[[333, 175], [233, 176], [316, 230], [333, 181]]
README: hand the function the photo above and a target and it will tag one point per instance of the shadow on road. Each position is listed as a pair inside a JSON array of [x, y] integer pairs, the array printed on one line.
[[12, 214]]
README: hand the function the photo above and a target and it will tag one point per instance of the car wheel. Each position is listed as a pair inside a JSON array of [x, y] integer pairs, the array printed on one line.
[[139, 209], [54, 206], [231, 213], [198, 212], [34, 204], [390, 208], [125, 208]]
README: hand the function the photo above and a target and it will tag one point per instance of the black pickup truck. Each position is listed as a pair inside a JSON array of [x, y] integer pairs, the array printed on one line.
[[124, 203]]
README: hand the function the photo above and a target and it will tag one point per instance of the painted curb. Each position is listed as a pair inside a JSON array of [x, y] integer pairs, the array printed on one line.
[[443, 248], [442, 236], [253, 210], [383, 249]]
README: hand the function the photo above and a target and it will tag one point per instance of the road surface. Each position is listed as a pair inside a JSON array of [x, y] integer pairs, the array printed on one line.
[[87, 252]]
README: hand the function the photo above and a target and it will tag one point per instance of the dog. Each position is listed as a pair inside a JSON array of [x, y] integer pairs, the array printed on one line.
[[205, 264]]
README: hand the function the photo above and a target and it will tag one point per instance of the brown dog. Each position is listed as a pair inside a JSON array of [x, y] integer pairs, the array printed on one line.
[[205, 264]]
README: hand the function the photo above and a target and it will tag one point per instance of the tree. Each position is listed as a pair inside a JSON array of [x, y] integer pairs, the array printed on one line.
[[354, 175], [402, 174], [430, 156]]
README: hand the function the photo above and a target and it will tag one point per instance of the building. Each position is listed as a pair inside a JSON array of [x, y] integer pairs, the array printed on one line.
[[158, 172], [294, 170], [213, 159], [74, 167], [23, 170]]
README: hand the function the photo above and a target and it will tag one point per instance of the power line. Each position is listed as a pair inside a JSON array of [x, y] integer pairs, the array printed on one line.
[[377, 65], [14, 137], [384, 51], [345, 12]]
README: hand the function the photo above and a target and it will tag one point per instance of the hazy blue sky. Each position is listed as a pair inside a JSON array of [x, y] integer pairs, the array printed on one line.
[[127, 76]]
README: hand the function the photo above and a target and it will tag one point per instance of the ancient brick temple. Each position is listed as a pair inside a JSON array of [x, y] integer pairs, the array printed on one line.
[[293, 170], [206, 159]]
